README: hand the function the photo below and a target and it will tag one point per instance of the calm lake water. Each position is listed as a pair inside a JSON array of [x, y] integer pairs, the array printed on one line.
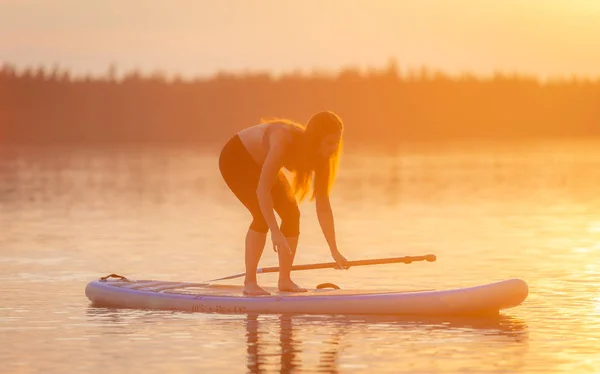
[[527, 210]]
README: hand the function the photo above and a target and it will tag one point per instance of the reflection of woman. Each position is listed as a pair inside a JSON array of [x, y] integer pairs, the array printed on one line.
[[251, 164], [252, 344], [289, 345]]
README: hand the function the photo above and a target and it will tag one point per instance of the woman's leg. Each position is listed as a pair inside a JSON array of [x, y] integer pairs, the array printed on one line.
[[286, 261], [241, 174], [286, 207], [255, 244]]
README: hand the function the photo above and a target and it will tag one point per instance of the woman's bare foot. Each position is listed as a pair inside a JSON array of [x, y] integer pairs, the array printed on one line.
[[289, 286], [253, 289]]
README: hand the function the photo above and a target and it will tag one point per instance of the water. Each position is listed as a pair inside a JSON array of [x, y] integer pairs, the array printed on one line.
[[527, 210]]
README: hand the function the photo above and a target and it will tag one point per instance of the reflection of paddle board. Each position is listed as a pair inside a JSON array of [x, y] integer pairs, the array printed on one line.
[[487, 299]]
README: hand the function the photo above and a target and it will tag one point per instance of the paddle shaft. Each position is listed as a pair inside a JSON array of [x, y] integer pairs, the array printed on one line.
[[327, 265], [377, 261]]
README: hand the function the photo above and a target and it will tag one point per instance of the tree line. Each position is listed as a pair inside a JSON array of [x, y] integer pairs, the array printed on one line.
[[379, 107]]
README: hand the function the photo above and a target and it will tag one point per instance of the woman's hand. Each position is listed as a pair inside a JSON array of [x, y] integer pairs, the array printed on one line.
[[341, 261], [280, 242]]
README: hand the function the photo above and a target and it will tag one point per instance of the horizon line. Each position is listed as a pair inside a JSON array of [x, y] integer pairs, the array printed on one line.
[[392, 66]]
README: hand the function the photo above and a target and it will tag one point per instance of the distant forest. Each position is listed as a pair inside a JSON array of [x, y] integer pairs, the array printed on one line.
[[379, 106]]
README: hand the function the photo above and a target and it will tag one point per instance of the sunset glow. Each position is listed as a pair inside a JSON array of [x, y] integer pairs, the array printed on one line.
[[297, 186], [546, 38]]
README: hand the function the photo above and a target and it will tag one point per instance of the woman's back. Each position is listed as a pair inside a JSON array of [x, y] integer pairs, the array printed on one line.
[[256, 138]]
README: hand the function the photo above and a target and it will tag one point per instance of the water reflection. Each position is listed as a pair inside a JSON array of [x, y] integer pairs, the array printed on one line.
[[292, 343], [159, 175], [290, 346], [338, 327]]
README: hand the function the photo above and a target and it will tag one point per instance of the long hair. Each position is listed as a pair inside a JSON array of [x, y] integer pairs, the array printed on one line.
[[311, 166]]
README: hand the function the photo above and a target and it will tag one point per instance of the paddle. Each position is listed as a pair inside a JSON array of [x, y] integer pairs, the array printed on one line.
[[326, 265]]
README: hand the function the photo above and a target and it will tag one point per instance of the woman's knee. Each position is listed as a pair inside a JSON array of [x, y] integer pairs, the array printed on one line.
[[290, 221], [259, 225]]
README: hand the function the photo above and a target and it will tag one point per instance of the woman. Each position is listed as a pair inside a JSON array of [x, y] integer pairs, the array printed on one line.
[[251, 164]]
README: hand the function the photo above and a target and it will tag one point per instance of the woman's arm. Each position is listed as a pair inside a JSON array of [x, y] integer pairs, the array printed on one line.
[[269, 174], [324, 211], [325, 216]]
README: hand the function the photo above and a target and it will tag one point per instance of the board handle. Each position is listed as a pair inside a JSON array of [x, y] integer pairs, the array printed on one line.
[[117, 276]]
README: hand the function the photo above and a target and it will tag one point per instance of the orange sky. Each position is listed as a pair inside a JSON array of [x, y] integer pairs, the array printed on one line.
[[198, 37]]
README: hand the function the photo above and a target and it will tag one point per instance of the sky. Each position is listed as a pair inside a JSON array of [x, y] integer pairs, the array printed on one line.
[[190, 38]]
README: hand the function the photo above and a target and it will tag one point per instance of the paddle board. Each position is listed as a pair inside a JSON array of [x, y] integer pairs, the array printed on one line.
[[486, 299]]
